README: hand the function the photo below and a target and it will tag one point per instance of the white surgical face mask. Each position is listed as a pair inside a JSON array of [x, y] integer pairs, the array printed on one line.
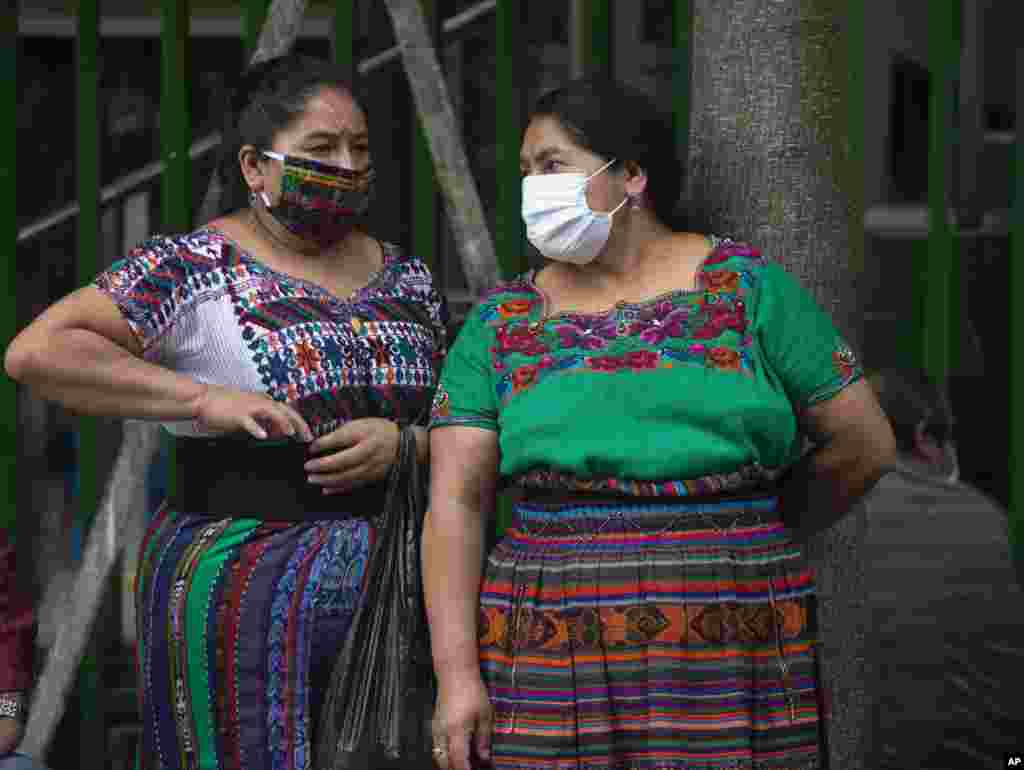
[[559, 222]]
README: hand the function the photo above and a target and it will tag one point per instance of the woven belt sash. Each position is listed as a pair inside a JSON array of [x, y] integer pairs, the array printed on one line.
[[541, 496], [238, 476]]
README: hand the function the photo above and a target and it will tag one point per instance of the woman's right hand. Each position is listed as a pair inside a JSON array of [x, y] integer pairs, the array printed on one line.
[[221, 410], [463, 714]]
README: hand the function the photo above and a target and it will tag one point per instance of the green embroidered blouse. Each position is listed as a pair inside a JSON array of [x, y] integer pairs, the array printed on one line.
[[692, 392]]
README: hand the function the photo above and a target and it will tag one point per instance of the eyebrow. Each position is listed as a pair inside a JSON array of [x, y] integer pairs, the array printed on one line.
[[331, 136], [542, 155]]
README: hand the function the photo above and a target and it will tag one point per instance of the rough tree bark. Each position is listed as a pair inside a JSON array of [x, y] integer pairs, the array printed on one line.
[[770, 164], [430, 92]]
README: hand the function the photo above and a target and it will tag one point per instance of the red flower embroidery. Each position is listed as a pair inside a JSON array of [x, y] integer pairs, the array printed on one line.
[[605, 363], [722, 280], [519, 340], [717, 258], [514, 307], [524, 377], [723, 358], [732, 249], [572, 336], [441, 404], [307, 357], [642, 359], [844, 361], [708, 330], [721, 317]]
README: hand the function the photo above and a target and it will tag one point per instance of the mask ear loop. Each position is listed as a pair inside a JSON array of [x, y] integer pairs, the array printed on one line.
[[625, 200], [262, 193], [606, 165], [584, 185]]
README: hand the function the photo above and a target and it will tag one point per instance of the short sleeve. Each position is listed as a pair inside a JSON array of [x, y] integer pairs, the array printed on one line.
[[800, 341], [150, 286], [465, 395], [440, 318]]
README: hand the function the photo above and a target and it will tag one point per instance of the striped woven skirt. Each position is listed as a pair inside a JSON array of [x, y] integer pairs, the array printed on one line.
[[240, 621], [665, 634]]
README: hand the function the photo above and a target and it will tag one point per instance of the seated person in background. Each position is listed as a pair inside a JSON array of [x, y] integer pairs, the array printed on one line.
[[946, 628], [17, 647]]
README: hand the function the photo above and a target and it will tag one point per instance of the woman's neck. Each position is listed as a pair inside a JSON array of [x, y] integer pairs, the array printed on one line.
[[628, 251]]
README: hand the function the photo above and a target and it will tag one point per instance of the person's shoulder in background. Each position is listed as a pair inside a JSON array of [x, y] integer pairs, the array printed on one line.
[[945, 623]]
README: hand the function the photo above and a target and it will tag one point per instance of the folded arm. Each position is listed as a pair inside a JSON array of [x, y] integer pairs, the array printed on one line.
[[854, 447]]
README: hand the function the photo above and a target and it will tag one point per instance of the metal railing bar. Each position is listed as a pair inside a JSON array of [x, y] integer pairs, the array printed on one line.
[[146, 26], [912, 221], [1000, 137], [468, 16], [132, 181], [448, 27], [118, 189]]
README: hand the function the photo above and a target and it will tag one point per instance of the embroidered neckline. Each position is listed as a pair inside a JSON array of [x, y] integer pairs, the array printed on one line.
[[390, 256], [530, 283]]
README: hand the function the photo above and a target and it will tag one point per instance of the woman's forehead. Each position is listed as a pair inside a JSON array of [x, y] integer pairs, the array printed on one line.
[[331, 110], [545, 132]]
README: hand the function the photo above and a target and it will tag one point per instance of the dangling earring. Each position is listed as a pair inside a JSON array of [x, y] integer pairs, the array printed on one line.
[[258, 196], [635, 201]]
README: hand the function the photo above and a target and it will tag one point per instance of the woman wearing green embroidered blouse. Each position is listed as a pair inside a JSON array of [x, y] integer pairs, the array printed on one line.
[[647, 391]]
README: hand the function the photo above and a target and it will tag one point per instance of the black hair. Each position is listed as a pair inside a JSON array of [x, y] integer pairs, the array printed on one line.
[[616, 121], [909, 397], [267, 98]]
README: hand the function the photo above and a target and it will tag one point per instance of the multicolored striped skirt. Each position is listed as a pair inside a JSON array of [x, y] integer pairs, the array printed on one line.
[[240, 622], [663, 634]]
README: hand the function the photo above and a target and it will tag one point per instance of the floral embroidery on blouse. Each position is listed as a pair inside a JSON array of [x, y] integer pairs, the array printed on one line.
[[845, 362], [203, 306], [707, 326], [441, 405]]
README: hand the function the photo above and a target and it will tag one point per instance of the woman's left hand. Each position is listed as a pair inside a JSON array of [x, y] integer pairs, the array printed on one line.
[[359, 452]]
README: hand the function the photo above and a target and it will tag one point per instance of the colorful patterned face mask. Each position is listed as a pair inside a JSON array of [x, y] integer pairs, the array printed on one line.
[[320, 203]]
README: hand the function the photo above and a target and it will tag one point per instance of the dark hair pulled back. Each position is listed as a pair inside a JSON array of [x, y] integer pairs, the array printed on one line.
[[614, 120], [266, 99]]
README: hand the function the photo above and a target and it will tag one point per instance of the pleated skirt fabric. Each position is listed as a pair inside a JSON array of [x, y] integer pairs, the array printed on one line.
[[641, 635], [240, 621]]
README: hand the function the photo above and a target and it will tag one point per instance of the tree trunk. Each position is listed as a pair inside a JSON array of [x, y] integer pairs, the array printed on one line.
[[771, 164]]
